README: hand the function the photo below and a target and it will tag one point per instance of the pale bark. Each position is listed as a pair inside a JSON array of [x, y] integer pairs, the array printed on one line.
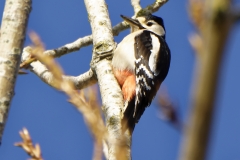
[[14, 22], [136, 5], [100, 70], [71, 47], [215, 25], [86, 79], [152, 8], [82, 81], [112, 100]]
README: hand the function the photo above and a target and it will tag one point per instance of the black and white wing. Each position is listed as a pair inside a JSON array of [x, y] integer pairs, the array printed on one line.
[[152, 61]]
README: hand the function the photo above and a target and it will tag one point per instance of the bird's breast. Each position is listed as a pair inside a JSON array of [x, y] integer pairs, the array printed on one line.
[[124, 58]]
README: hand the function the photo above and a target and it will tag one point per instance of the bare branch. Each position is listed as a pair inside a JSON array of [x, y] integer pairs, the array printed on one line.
[[87, 40], [13, 26], [110, 91], [71, 47], [136, 5], [90, 109], [92, 116], [82, 81], [214, 31], [27, 145], [152, 8], [156, 5], [119, 28]]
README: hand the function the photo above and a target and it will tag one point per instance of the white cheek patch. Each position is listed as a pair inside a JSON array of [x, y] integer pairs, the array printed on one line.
[[141, 20], [162, 31], [154, 54]]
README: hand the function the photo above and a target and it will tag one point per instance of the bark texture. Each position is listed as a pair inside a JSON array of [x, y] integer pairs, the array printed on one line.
[[14, 22], [103, 46]]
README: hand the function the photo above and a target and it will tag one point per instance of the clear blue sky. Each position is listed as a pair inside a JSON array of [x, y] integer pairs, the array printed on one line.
[[60, 129]]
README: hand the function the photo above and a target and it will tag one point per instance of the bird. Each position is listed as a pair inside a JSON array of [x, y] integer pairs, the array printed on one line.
[[140, 64]]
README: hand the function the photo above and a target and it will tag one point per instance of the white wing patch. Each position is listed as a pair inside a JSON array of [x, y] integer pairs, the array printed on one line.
[[139, 59], [144, 81], [148, 73], [154, 54]]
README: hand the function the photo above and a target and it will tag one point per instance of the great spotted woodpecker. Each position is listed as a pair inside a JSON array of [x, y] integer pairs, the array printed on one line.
[[140, 64]]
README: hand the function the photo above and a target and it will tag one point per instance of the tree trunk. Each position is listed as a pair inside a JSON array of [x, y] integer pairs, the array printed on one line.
[[14, 22]]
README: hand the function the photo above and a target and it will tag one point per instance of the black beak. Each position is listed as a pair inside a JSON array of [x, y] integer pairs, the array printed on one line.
[[132, 22]]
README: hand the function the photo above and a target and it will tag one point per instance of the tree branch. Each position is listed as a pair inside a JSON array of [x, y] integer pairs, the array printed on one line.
[[82, 81], [86, 79], [101, 66], [136, 5], [110, 91], [71, 47], [152, 8], [14, 22], [215, 27], [89, 109], [87, 40]]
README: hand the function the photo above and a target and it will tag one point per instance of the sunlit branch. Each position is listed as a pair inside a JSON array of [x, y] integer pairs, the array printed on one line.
[[71, 47], [136, 6], [87, 40], [82, 81], [100, 67], [90, 109], [13, 26], [103, 44], [152, 8]]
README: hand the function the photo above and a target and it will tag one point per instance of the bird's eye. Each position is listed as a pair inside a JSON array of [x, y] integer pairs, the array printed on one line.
[[149, 23]]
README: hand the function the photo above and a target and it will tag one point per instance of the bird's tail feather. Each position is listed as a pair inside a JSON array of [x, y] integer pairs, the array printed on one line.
[[129, 121]]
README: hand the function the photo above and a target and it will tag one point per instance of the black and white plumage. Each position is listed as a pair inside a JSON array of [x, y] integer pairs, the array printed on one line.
[[140, 64]]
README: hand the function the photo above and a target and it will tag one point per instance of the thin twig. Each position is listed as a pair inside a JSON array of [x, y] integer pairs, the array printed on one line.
[[90, 109], [87, 40], [27, 145], [152, 8], [82, 81]]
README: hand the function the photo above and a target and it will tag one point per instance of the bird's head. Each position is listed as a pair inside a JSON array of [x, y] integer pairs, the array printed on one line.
[[149, 22]]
